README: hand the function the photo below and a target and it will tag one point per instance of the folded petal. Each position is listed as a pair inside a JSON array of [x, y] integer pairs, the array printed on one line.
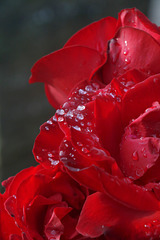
[[103, 215], [131, 49], [140, 97], [64, 69], [136, 19], [95, 35]]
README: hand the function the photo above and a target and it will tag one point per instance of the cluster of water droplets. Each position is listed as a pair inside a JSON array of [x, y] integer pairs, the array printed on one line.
[[152, 230], [74, 113], [48, 154]]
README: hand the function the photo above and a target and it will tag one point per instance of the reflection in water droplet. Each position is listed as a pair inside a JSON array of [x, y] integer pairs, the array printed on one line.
[[135, 156], [114, 49], [80, 107], [76, 128], [60, 112], [85, 150], [139, 172], [80, 116], [46, 128]]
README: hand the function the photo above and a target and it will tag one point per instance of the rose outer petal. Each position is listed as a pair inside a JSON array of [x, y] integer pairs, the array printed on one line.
[[64, 69], [103, 215], [95, 35], [46, 146], [7, 226]]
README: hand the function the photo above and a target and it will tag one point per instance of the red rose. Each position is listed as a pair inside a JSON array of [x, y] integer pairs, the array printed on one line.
[[40, 204], [107, 133], [104, 49]]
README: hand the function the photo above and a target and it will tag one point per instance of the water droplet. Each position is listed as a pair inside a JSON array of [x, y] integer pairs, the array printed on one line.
[[60, 119], [149, 165], [50, 122], [80, 144], [127, 60], [114, 49], [144, 152], [60, 112], [135, 156], [76, 128], [155, 104], [61, 153], [54, 118], [46, 128], [69, 114], [82, 92], [155, 80], [139, 172], [126, 50], [81, 107], [80, 116], [125, 42], [85, 150], [39, 158], [89, 88], [118, 99], [95, 85], [89, 124]]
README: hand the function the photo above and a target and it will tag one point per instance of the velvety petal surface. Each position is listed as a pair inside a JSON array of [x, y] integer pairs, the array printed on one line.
[[136, 19], [103, 215], [95, 35], [64, 69], [131, 48]]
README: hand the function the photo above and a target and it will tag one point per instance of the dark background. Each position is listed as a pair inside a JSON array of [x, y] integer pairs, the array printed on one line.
[[30, 29]]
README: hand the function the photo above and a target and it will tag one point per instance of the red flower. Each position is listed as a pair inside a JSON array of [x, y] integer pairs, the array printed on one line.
[[107, 133], [40, 204], [91, 52]]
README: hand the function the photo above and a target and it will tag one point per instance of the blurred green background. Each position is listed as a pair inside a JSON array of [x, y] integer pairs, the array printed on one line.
[[29, 30]]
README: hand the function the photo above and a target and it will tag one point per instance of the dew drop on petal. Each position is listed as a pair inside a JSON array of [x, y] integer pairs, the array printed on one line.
[[76, 128], [81, 107], [85, 150], [60, 119], [139, 172], [60, 112], [135, 156], [80, 116]]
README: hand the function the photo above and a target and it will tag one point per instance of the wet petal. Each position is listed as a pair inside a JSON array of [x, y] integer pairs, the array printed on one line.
[[136, 19], [129, 50], [103, 215]]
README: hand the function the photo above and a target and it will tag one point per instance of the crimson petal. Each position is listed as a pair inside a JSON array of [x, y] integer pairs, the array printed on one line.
[[46, 146], [103, 215], [95, 35], [140, 97], [128, 50], [64, 69], [136, 19]]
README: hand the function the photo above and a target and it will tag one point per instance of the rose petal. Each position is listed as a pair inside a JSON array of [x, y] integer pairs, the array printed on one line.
[[95, 35], [77, 63], [108, 124], [128, 50], [103, 215], [140, 146], [46, 146], [8, 225], [140, 97], [136, 19]]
